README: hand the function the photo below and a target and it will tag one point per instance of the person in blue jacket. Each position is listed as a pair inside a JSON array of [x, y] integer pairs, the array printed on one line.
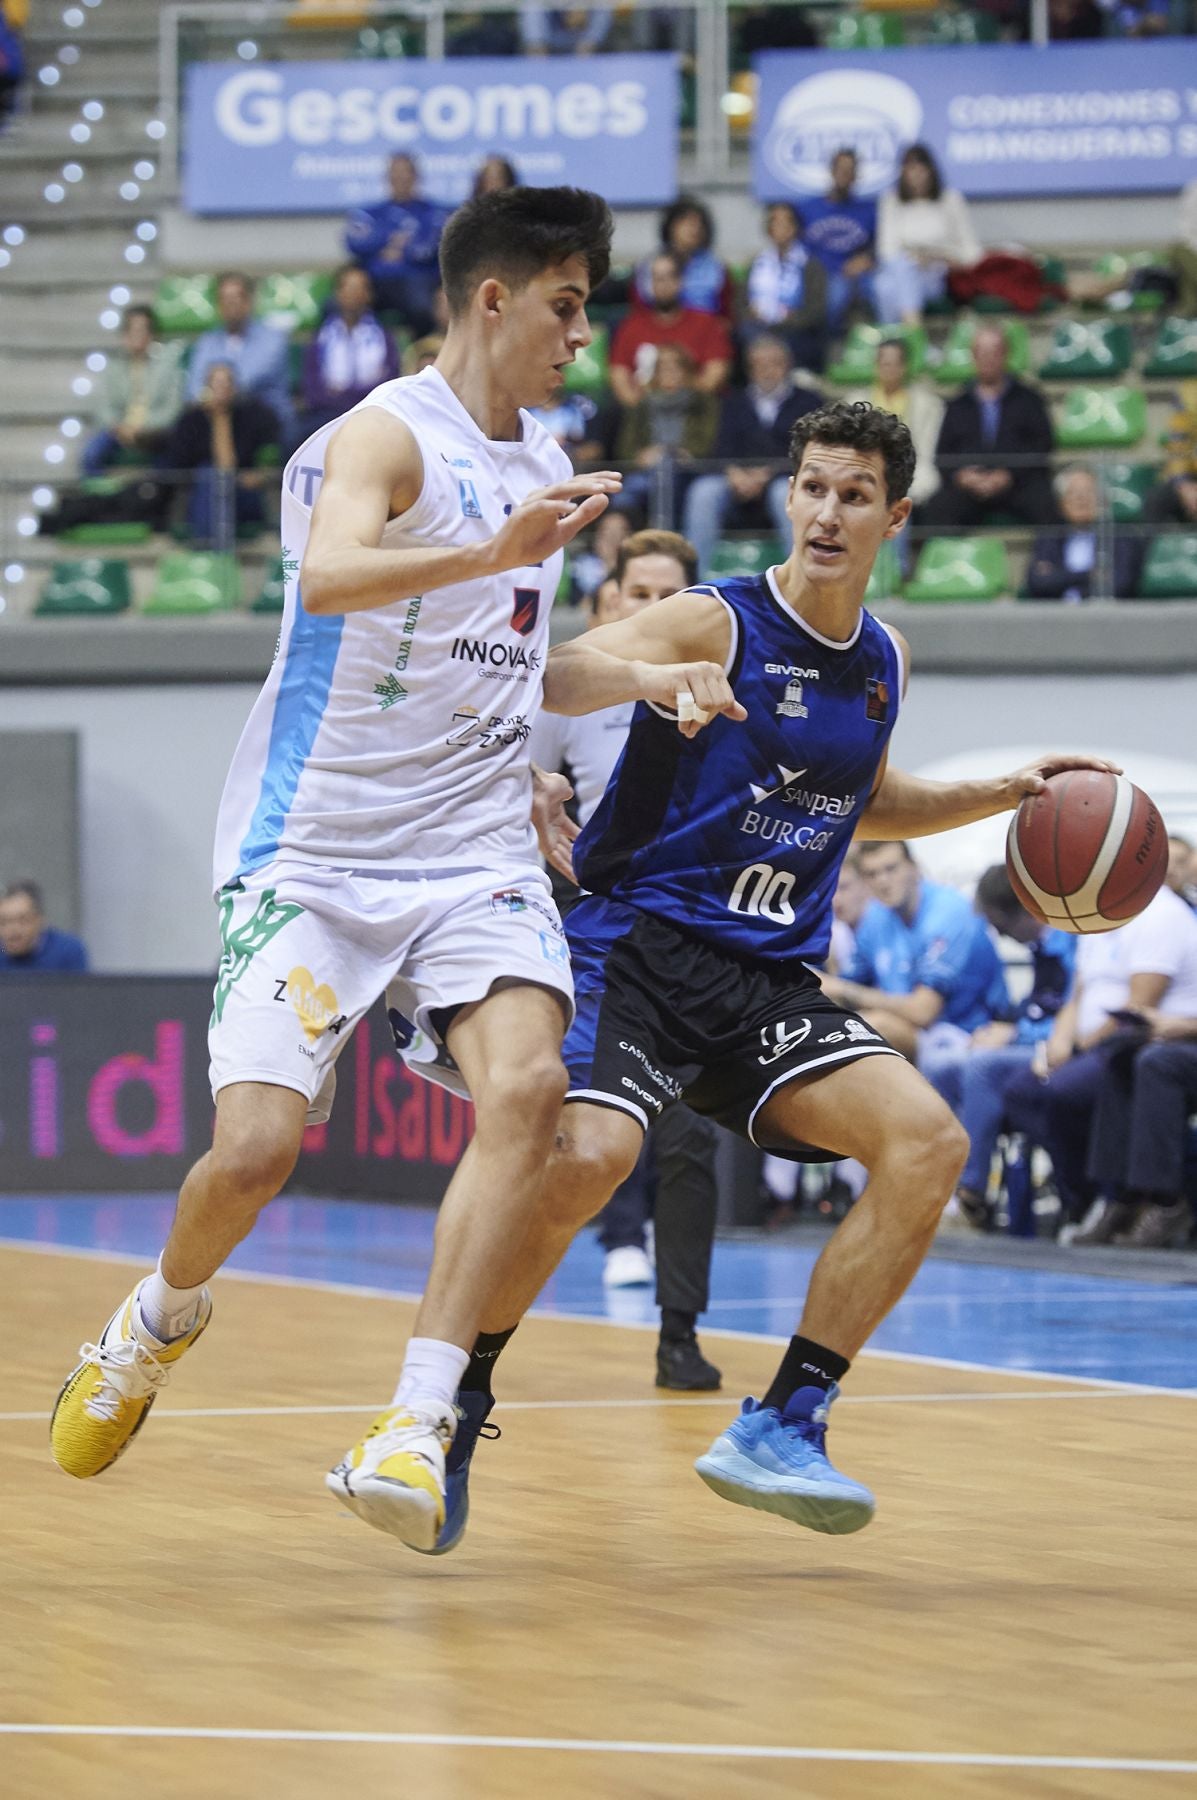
[[397, 242], [28, 945]]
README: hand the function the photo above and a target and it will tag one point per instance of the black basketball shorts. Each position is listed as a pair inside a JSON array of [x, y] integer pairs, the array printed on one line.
[[662, 1016]]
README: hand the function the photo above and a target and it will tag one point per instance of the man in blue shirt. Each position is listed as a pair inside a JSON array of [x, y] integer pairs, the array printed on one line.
[[27, 944], [925, 972], [974, 1084], [397, 242], [839, 228], [255, 351]]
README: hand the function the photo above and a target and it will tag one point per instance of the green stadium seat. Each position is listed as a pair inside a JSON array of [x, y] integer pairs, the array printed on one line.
[[185, 304], [744, 556], [273, 591], [1174, 353], [115, 531], [963, 28], [194, 583], [387, 43], [293, 302], [1115, 263], [90, 587], [956, 364], [1092, 418], [885, 582], [1127, 486], [589, 373], [960, 569], [1086, 348], [865, 31], [1170, 568], [858, 357]]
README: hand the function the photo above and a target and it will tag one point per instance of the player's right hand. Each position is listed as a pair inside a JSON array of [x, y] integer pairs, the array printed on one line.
[[550, 519], [696, 691]]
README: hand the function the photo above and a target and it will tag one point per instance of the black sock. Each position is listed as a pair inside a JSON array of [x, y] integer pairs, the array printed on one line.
[[805, 1364], [676, 1326], [483, 1357]]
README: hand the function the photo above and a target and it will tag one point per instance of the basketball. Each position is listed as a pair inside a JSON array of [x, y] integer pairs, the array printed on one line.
[[1088, 853]]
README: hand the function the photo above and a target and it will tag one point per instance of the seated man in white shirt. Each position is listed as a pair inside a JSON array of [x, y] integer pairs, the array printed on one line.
[[680, 1148]]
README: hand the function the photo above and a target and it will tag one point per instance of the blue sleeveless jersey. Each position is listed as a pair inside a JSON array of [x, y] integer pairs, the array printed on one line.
[[737, 835]]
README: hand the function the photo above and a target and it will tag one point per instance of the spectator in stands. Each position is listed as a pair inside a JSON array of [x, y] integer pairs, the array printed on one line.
[[139, 395], [564, 30], [1182, 868], [12, 61], [1066, 561], [840, 228], [974, 1083], [752, 440], [421, 353], [1182, 256], [994, 418], [28, 945], [787, 289], [594, 564], [688, 231], [397, 241], [1139, 18], [231, 441], [667, 321], [1173, 501], [349, 354], [849, 904], [925, 972], [673, 418], [923, 230], [1149, 963], [256, 352], [1140, 1132], [495, 173], [918, 406], [584, 427], [1069, 20]]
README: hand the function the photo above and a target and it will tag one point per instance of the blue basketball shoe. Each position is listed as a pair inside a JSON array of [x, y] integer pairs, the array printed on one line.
[[777, 1462], [473, 1410]]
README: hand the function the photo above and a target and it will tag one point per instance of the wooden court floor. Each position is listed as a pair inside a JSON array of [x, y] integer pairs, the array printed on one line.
[[203, 1621]]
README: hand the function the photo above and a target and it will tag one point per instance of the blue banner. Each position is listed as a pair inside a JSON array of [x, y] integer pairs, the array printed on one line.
[[315, 136], [1001, 119]]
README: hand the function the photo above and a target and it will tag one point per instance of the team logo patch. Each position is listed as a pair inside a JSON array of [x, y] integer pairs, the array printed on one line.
[[777, 1040], [525, 610], [507, 901], [470, 508], [877, 700], [315, 1006], [554, 949], [790, 705]]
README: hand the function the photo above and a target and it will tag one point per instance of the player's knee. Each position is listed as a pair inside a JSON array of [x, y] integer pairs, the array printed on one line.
[[252, 1165], [931, 1154], [589, 1163], [526, 1097]]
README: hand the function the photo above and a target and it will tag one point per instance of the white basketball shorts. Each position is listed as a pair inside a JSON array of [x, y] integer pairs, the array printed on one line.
[[307, 951]]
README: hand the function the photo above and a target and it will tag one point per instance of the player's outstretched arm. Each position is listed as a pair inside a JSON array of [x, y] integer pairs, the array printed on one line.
[[906, 806], [672, 653], [374, 472]]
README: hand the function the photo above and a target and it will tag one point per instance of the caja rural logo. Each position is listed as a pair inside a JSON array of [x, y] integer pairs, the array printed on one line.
[[878, 115]]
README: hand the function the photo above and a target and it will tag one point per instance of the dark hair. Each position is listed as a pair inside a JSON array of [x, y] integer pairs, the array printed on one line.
[[519, 232], [996, 894], [351, 268], [859, 426], [785, 206], [31, 891], [508, 167], [895, 343], [844, 150], [875, 844], [686, 203], [140, 312], [658, 543], [919, 153], [247, 283]]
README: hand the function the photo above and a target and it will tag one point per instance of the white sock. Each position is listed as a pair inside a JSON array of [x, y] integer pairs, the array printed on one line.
[[167, 1312], [431, 1375], [854, 1175]]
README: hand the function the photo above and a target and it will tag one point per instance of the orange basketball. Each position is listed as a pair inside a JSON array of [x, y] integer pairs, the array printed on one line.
[[1088, 853]]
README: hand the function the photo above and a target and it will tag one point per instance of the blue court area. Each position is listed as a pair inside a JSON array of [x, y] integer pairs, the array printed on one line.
[[1005, 1317]]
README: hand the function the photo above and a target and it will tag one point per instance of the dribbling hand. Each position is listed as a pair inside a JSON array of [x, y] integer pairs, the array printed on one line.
[[1034, 777]]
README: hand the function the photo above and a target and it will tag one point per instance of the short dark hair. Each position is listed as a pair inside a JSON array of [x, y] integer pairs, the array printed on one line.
[[995, 893], [658, 543], [139, 312], [244, 281], [518, 232], [795, 213], [353, 268], [875, 844], [859, 426], [687, 203], [30, 891], [895, 343]]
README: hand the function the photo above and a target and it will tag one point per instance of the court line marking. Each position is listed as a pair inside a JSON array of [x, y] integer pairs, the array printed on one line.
[[618, 1747], [675, 1402], [355, 1290]]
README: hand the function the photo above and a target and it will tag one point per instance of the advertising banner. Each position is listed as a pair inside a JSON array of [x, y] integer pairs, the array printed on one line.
[[106, 1090], [301, 137], [1002, 119]]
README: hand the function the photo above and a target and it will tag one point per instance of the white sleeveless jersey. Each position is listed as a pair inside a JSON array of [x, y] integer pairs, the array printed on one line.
[[397, 738]]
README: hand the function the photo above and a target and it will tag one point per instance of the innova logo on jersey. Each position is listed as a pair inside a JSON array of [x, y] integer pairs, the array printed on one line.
[[877, 114], [499, 662]]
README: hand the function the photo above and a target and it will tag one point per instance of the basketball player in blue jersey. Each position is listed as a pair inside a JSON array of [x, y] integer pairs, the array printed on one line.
[[710, 866]]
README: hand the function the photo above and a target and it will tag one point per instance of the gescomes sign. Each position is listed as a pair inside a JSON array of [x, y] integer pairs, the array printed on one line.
[[1002, 119], [315, 136]]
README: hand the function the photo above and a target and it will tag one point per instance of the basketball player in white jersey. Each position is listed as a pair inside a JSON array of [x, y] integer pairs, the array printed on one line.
[[375, 834]]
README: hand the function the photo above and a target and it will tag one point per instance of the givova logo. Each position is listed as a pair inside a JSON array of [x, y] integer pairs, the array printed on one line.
[[877, 114]]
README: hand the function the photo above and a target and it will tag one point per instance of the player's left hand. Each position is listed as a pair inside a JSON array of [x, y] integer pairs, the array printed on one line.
[[1035, 776], [580, 487], [555, 830]]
